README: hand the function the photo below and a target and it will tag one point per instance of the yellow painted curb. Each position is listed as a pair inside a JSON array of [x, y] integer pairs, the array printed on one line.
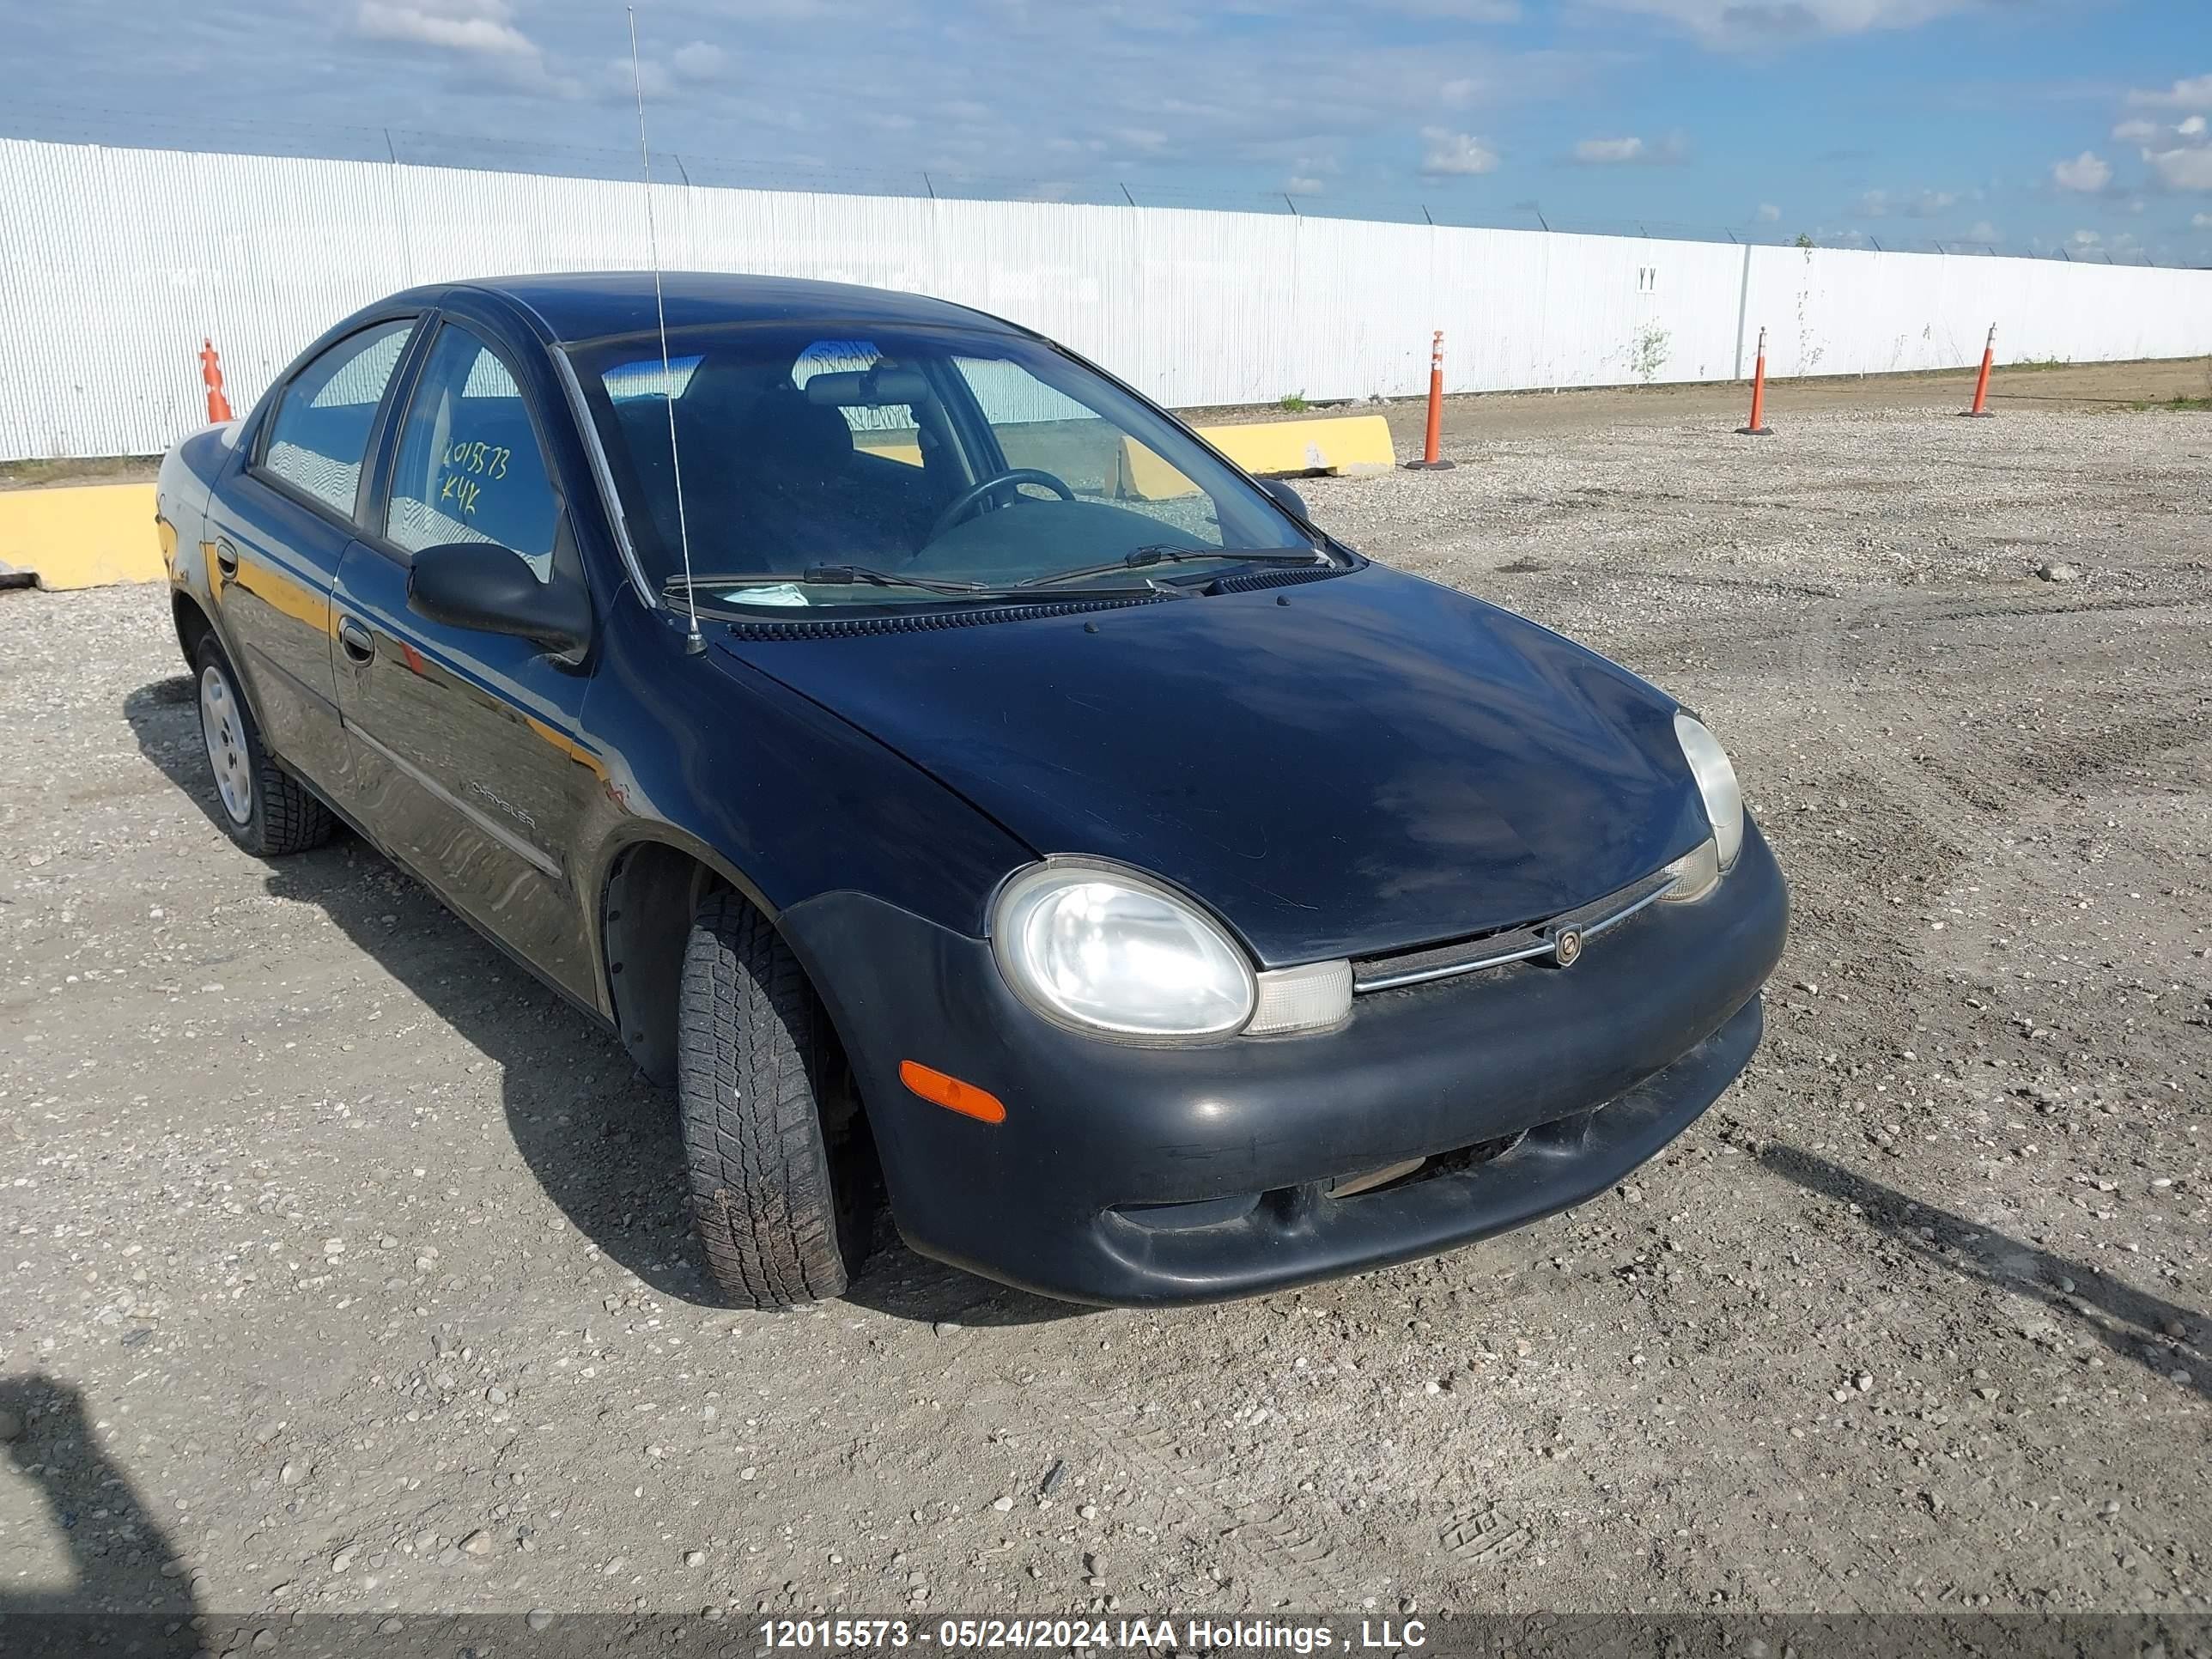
[[1339, 443], [81, 536]]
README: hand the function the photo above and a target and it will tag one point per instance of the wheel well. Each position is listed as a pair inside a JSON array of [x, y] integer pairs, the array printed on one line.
[[653, 892], [193, 624]]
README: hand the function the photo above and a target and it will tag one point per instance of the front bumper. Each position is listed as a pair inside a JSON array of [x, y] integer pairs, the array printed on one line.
[[1127, 1174]]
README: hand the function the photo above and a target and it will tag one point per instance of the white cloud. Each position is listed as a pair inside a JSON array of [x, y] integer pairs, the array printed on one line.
[[1600, 151], [1983, 231], [701, 60], [1768, 213], [2087, 171], [1613, 152], [1302, 185], [2182, 169], [1920, 205], [783, 11], [2194, 93], [1455, 152], [1457, 11], [2085, 238], [2136, 131], [651, 79], [471, 26], [1750, 23]]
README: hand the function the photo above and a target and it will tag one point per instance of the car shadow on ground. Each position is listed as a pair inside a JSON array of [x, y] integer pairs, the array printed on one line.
[[2162, 1336], [602, 1141], [128, 1590]]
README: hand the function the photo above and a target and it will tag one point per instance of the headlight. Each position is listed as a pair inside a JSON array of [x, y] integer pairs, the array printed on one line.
[[1104, 949], [1708, 764]]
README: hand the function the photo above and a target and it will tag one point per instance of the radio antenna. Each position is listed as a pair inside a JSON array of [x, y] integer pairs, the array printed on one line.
[[693, 643]]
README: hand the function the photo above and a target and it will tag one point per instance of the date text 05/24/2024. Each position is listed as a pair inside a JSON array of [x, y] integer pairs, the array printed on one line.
[[1143, 1635]]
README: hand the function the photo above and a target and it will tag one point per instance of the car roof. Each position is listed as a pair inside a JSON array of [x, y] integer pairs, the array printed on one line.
[[594, 305]]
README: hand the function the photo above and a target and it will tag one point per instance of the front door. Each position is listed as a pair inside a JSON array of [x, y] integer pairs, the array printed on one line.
[[278, 537], [465, 742]]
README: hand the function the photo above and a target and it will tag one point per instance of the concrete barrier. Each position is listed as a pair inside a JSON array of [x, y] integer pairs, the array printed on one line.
[[1340, 443], [82, 535]]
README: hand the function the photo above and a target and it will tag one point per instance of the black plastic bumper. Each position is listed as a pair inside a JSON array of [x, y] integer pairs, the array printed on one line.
[[1600, 1065]]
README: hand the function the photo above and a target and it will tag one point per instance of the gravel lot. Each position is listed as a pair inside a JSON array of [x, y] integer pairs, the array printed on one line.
[[346, 1272]]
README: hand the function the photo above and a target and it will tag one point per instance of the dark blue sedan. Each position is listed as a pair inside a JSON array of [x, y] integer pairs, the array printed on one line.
[[964, 786]]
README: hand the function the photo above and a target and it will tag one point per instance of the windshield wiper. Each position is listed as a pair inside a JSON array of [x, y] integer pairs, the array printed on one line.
[[824, 575], [1169, 553], [837, 575]]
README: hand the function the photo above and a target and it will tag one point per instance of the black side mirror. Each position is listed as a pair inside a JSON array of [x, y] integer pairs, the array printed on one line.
[[483, 585], [1288, 496]]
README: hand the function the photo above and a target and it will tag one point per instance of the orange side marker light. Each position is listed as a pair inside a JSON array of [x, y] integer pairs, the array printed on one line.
[[949, 1092]]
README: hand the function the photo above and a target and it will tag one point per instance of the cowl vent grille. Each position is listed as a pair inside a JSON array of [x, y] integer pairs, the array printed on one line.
[[1290, 578], [823, 628]]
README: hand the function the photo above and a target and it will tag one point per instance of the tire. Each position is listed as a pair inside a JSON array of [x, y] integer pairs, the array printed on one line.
[[767, 1103], [267, 811]]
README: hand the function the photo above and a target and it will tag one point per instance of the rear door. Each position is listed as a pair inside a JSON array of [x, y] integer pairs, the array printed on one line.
[[280, 527], [465, 742]]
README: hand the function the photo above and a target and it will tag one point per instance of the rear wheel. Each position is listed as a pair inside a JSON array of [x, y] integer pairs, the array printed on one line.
[[772, 1133], [266, 810]]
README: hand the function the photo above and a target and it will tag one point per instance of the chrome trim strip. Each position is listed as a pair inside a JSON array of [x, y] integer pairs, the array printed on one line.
[[1609, 923], [1452, 971], [603, 474], [1517, 944], [499, 832]]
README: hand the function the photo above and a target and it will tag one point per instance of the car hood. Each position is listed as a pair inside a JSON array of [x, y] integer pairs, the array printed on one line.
[[1341, 766]]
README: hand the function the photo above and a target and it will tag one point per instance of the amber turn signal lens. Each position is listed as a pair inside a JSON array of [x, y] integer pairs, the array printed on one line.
[[951, 1093]]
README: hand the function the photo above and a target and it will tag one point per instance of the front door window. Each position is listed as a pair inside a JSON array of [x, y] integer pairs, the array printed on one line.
[[470, 468]]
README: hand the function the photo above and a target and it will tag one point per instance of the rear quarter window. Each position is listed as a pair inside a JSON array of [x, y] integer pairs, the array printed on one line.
[[319, 431]]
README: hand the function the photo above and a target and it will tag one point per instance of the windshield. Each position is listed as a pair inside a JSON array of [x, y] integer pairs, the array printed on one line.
[[839, 467]]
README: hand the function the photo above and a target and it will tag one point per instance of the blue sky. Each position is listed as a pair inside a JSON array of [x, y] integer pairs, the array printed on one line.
[[2026, 125]]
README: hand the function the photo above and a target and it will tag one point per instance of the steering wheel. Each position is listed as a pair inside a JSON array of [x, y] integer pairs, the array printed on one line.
[[969, 499]]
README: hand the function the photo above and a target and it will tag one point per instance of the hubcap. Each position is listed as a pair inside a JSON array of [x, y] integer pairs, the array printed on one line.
[[224, 728]]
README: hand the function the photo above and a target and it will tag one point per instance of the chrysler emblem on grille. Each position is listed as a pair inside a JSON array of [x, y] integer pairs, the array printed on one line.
[[1566, 947]]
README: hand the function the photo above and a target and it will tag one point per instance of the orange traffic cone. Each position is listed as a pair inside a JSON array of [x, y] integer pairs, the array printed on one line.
[[1757, 427], [1981, 411], [211, 372]]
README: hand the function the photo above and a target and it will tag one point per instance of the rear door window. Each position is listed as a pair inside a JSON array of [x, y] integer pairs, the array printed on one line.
[[319, 431], [470, 468]]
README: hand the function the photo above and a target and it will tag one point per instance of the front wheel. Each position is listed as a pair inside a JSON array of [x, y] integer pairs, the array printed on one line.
[[768, 1115], [267, 811]]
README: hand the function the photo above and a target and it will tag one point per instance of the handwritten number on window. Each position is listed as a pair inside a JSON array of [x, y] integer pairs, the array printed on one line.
[[467, 466], [480, 459]]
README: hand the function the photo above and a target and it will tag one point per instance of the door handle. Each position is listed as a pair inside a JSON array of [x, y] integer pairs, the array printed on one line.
[[360, 644], [225, 557]]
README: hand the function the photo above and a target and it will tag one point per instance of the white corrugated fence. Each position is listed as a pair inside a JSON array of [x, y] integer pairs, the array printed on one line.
[[115, 263]]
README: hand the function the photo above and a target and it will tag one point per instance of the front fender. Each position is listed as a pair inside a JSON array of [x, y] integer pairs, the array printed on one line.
[[702, 756]]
